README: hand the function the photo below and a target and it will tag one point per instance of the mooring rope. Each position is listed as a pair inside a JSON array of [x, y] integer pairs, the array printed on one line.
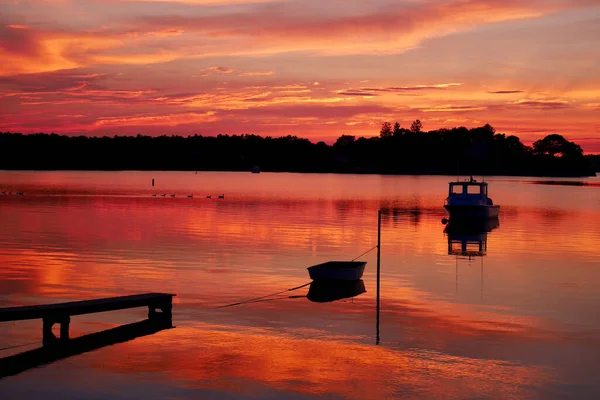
[[261, 298], [280, 297], [264, 297], [368, 251]]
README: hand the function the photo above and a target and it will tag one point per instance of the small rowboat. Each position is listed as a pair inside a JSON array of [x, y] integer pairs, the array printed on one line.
[[340, 270]]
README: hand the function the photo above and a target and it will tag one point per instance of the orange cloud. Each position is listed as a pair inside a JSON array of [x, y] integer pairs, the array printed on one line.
[[158, 120], [268, 30], [450, 108], [283, 28], [258, 73]]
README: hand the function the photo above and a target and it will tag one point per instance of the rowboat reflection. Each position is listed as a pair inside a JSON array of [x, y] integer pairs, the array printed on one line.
[[323, 291], [319, 291]]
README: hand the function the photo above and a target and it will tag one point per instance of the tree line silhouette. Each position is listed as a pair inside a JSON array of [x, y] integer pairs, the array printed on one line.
[[396, 150]]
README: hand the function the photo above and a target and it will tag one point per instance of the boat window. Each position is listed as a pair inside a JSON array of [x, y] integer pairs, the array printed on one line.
[[457, 189], [473, 190]]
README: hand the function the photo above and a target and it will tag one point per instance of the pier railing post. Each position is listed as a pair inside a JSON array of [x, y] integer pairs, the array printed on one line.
[[64, 328], [47, 334]]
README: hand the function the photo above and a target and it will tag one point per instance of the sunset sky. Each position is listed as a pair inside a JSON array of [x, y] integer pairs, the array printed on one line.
[[312, 68]]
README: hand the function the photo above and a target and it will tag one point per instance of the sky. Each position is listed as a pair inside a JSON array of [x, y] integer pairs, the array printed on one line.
[[312, 68]]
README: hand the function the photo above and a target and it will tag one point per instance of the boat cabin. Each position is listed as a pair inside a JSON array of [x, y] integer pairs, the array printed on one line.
[[469, 192], [468, 187]]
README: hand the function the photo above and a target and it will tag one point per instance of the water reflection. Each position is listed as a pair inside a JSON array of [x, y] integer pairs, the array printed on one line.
[[534, 336], [469, 238], [323, 291], [399, 216], [319, 291], [18, 363]]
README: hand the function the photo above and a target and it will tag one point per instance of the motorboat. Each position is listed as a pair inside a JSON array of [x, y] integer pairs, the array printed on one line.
[[338, 270], [469, 200]]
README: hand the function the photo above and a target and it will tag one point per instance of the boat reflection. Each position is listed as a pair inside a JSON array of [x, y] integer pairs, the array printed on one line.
[[21, 362], [323, 291], [469, 239]]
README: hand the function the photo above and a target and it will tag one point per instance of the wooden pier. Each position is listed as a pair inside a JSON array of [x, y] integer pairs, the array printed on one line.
[[61, 313]]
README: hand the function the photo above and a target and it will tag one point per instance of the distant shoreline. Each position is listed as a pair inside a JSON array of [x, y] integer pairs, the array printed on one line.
[[397, 151]]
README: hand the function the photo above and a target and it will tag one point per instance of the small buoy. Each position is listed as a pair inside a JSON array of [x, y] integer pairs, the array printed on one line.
[[222, 196], [444, 221], [209, 196], [191, 196]]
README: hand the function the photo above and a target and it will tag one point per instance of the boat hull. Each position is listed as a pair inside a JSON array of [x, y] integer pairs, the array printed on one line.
[[472, 212], [337, 270], [460, 227]]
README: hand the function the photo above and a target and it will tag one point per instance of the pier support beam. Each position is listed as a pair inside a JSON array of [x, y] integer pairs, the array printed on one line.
[[165, 310], [48, 336]]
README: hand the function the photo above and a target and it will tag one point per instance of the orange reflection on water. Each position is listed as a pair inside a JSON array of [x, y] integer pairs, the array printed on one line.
[[200, 355], [450, 326]]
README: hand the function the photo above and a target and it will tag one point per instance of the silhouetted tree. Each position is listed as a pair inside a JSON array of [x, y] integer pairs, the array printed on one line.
[[477, 150], [397, 131], [489, 128], [345, 140], [556, 145], [416, 126], [594, 160], [386, 130]]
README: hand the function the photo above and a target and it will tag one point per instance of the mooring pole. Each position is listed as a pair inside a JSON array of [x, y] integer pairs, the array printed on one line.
[[152, 182], [378, 269]]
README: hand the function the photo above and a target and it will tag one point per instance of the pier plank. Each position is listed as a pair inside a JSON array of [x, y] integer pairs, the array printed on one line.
[[61, 313]]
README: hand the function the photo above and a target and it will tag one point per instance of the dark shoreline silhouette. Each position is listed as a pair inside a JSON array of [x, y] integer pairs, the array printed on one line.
[[476, 151]]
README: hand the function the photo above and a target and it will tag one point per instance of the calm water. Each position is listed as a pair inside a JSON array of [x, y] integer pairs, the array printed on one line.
[[522, 321]]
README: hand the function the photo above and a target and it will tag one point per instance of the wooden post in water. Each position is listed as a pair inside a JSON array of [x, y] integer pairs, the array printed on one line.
[[152, 182], [378, 269]]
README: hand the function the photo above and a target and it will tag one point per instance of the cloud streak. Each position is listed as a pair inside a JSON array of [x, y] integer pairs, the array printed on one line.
[[506, 92], [371, 91]]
